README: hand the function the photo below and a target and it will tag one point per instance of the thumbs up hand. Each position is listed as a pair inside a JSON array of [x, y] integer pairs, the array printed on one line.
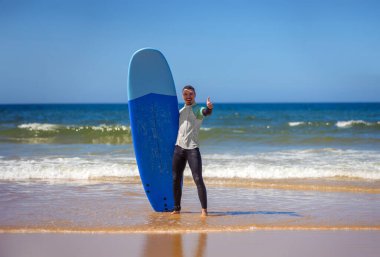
[[209, 104]]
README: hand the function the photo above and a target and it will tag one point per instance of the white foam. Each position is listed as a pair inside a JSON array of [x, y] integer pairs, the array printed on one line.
[[66, 168], [339, 124], [39, 126], [104, 127], [312, 163], [296, 123], [54, 127], [318, 163], [350, 123]]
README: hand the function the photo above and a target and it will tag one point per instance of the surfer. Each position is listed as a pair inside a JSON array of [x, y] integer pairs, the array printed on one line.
[[187, 147]]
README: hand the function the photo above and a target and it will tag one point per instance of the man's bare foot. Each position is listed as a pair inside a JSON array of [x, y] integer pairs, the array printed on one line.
[[204, 213], [175, 212]]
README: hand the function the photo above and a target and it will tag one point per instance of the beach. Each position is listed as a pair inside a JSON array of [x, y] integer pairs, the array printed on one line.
[[122, 207], [114, 218], [282, 179], [285, 106]]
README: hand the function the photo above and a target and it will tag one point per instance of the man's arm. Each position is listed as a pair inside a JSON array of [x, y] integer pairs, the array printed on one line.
[[206, 111]]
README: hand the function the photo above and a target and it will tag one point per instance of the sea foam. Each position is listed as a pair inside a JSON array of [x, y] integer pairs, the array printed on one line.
[[74, 168], [54, 127], [312, 163], [296, 123], [350, 123], [39, 126]]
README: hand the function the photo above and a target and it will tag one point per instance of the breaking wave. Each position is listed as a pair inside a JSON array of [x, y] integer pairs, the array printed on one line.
[[55, 133], [286, 164]]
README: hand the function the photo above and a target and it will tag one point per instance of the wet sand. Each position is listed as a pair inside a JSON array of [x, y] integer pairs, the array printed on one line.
[[261, 243], [114, 218], [122, 207]]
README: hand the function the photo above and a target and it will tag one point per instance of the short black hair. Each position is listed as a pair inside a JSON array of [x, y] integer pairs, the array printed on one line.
[[188, 87]]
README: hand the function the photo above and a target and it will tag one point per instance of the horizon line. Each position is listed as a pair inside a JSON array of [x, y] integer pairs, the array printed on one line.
[[221, 102]]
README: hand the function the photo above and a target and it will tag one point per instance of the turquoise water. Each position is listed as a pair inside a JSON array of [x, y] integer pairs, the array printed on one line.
[[271, 141]]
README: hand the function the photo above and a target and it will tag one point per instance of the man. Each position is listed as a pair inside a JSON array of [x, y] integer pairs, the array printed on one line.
[[187, 148]]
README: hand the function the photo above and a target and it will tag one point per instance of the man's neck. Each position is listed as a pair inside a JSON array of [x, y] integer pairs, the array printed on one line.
[[192, 104]]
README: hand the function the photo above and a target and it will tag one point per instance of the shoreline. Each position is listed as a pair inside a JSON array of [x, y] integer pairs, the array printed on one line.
[[328, 184]]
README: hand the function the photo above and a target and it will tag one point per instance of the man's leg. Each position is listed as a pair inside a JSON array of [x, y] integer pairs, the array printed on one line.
[[179, 164], [195, 163]]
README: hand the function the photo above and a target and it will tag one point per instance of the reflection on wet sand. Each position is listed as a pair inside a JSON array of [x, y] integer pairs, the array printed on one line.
[[190, 221], [175, 222], [172, 245]]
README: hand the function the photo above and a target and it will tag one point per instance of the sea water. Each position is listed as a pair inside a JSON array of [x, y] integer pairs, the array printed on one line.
[[72, 167], [247, 141]]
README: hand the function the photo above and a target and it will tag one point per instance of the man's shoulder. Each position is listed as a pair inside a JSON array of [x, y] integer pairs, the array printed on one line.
[[197, 110]]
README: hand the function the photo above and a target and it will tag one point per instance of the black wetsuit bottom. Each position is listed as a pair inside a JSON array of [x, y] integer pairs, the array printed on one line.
[[193, 157]]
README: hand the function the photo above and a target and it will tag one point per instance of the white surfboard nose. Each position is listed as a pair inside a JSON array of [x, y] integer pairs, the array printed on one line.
[[150, 71]]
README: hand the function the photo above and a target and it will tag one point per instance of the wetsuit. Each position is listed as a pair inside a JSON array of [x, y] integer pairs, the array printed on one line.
[[187, 150]]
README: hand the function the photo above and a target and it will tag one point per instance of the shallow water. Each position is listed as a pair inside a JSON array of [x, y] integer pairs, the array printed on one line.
[[123, 207]]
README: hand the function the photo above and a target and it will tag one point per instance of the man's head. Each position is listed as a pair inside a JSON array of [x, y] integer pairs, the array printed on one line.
[[188, 94]]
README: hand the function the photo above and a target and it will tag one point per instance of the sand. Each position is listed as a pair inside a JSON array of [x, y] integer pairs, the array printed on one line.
[[260, 243], [123, 207], [111, 218]]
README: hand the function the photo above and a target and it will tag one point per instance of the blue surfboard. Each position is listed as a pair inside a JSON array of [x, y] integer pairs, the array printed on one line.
[[153, 112]]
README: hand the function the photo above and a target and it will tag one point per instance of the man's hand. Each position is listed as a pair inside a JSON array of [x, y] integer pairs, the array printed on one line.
[[209, 104]]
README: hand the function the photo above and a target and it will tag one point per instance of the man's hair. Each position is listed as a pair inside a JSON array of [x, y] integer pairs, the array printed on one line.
[[188, 87]]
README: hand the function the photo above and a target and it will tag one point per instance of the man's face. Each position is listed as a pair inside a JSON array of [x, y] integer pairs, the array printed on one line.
[[188, 96]]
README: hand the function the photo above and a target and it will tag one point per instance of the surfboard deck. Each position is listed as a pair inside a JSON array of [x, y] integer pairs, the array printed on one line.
[[153, 112]]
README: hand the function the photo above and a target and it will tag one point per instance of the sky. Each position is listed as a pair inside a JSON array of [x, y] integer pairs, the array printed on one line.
[[74, 51]]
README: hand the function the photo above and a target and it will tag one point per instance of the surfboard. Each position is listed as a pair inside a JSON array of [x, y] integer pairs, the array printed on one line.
[[153, 113]]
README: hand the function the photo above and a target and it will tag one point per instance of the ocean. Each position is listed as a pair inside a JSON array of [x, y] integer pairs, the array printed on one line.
[[71, 168], [247, 141]]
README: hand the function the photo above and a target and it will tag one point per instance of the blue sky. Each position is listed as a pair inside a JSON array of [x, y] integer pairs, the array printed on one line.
[[233, 51]]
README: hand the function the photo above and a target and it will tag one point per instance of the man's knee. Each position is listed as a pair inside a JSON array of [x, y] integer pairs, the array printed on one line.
[[198, 180]]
